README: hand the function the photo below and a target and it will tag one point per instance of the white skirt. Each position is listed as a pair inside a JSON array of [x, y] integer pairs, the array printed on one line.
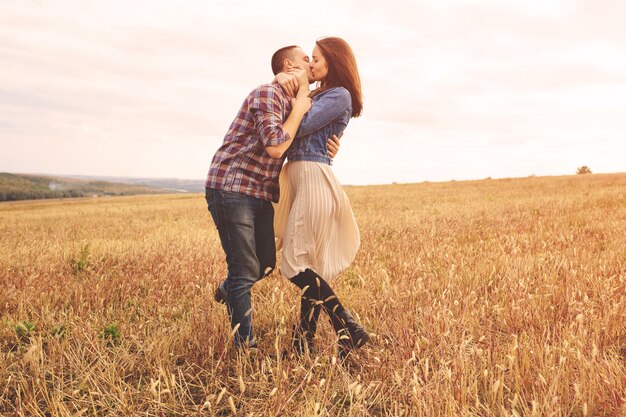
[[313, 221]]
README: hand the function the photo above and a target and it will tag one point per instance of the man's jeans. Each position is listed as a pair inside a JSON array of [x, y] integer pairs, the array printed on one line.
[[246, 228]]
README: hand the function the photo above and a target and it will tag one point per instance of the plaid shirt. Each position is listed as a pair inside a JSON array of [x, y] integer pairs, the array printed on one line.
[[241, 164]]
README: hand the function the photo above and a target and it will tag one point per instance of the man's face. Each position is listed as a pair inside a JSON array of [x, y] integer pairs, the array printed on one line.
[[302, 60]]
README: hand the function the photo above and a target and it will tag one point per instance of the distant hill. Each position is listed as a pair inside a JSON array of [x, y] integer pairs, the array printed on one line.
[[29, 187], [169, 184]]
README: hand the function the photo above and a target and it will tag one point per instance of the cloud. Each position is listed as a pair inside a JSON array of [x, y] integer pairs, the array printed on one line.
[[451, 89]]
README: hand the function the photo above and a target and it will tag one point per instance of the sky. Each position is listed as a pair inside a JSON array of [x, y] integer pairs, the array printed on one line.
[[463, 89]]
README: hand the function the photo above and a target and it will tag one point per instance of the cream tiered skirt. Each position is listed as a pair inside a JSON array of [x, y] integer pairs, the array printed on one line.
[[313, 221]]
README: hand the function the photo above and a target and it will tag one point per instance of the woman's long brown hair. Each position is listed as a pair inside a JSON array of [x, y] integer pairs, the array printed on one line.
[[342, 70]]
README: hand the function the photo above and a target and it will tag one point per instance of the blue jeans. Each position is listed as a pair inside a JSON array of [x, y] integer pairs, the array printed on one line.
[[246, 228]]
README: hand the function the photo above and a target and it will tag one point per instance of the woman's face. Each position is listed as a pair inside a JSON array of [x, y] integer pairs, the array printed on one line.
[[319, 67]]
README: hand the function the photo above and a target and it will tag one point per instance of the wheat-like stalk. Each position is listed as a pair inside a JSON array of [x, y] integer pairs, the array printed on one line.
[[483, 298]]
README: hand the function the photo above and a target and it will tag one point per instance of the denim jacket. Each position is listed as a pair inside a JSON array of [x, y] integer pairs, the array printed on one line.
[[328, 116]]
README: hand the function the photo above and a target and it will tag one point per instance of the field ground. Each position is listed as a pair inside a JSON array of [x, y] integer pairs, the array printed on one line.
[[484, 298]]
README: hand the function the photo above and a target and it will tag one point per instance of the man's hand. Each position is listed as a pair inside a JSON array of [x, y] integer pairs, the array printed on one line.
[[332, 145], [302, 75], [288, 81]]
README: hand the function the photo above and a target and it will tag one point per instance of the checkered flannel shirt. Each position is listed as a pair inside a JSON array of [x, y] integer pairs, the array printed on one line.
[[241, 164]]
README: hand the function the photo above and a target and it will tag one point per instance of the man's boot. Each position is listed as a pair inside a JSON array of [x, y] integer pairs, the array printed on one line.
[[221, 294]]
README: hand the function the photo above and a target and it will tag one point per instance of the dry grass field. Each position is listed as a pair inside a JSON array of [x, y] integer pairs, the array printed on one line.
[[484, 298]]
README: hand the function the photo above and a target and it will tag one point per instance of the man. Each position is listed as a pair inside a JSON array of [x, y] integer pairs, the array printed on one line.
[[242, 183]]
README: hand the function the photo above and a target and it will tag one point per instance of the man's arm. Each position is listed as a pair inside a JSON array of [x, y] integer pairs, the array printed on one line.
[[300, 105], [288, 81], [332, 145]]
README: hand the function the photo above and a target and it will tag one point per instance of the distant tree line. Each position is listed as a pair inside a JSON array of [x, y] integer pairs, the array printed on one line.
[[15, 195], [15, 187]]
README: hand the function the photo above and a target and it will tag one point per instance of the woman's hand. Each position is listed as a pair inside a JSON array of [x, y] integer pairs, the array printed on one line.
[[288, 81], [332, 145]]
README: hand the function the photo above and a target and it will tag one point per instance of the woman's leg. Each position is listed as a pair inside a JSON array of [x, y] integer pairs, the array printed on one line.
[[304, 331], [316, 292]]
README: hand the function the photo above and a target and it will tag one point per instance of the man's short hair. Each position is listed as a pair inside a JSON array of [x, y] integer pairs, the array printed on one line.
[[279, 57]]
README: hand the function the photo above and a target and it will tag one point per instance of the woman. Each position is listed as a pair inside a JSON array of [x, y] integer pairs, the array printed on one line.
[[314, 220]]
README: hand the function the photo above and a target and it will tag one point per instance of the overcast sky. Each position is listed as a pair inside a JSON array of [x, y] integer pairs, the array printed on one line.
[[452, 89]]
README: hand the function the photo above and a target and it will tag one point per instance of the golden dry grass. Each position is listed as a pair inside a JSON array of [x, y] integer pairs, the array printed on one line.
[[487, 298]]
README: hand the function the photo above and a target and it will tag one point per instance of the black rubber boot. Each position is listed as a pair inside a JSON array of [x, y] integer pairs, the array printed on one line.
[[304, 332], [351, 334]]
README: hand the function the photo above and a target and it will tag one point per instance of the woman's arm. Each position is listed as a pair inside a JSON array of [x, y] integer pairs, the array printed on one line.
[[328, 107]]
